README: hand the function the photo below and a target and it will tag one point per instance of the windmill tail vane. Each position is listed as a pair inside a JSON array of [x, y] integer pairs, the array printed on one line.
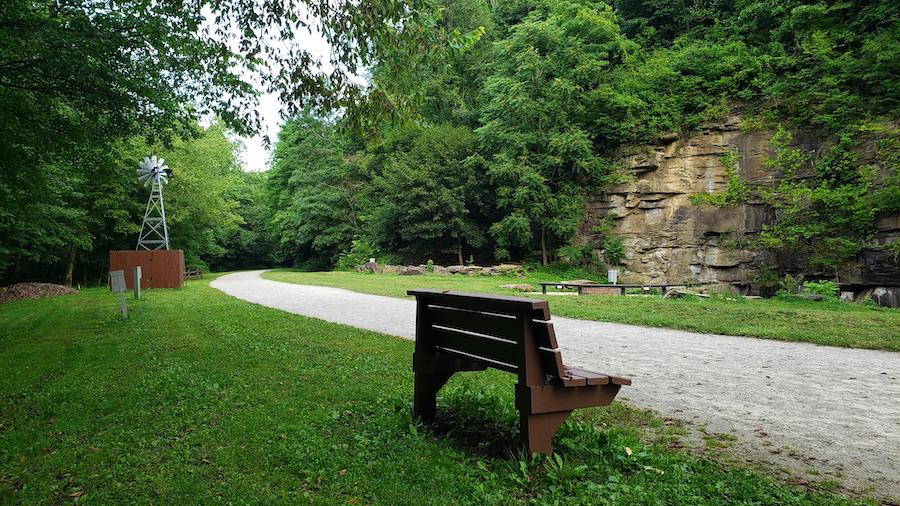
[[153, 173]]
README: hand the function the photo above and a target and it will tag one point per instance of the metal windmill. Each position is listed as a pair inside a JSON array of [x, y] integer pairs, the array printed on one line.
[[154, 232]]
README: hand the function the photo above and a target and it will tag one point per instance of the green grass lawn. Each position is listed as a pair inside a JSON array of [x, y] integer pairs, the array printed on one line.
[[830, 323], [202, 398]]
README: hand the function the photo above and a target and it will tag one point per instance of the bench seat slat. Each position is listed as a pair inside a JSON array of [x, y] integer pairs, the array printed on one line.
[[620, 380], [592, 378], [493, 349], [569, 381], [476, 321]]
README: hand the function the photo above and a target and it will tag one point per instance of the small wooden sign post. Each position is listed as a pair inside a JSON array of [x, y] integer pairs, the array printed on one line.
[[136, 271], [117, 280]]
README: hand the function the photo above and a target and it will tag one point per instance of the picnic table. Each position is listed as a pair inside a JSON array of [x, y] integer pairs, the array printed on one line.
[[607, 289]]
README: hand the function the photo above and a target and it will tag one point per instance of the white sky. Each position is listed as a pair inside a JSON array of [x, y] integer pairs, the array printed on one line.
[[255, 156]]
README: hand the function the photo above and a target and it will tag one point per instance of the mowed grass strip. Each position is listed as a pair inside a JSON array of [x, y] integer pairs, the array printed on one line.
[[201, 398], [829, 323]]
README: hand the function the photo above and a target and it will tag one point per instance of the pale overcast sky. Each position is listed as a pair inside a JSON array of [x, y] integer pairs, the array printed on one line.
[[256, 156]]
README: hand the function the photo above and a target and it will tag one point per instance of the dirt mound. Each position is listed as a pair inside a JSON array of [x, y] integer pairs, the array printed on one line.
[[33, 291]]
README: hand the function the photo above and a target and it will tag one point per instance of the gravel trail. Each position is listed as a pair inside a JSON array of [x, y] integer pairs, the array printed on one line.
[[794, 406]]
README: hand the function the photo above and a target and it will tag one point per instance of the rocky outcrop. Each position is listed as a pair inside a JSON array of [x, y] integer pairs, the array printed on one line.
[[669, 240], [412, 270]]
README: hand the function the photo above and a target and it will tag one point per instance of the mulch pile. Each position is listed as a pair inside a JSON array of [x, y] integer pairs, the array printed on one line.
[[33, 291]]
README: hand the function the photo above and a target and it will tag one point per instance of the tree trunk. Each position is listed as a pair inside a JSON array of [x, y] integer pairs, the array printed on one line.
[[459, 253], [70, 266], [544, 247]]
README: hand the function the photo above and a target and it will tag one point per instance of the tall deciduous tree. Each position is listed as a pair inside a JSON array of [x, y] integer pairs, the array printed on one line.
[[427, 195], [314, 192], [80, 76], [535, 119]]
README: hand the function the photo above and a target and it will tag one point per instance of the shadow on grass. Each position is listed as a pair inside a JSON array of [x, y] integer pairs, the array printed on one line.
[[477, 436]]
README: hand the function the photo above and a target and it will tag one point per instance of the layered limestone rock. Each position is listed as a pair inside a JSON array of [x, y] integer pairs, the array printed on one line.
[[670, 240]]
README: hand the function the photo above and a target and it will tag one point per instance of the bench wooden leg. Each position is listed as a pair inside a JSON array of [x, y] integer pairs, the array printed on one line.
[[425, 395], [538, 430]]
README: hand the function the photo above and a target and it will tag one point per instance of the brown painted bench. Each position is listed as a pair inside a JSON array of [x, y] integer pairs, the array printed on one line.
[[458, 332]]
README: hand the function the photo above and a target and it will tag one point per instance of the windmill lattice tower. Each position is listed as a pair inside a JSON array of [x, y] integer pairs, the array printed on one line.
[[154, 232]]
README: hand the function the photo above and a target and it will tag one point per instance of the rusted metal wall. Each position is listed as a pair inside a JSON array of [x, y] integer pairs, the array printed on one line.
[[159, 269]]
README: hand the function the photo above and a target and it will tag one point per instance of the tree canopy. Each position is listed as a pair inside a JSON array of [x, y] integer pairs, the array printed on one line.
[[79, 79], [481, 131], [551, 90]]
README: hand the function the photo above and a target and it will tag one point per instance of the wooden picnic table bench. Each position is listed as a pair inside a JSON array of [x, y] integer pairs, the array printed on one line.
[[620, 288], [458, 332]]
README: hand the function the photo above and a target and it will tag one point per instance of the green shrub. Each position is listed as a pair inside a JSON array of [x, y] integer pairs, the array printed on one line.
[[359, 253], [766, 279], [389, 259], [791, 285], [560, 271], [613, 250], [829, 289], [581, 255]]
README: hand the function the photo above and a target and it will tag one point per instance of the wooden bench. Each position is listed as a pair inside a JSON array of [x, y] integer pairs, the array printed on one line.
[[618, 289], [458, 332], [193, 274], [576, 286]]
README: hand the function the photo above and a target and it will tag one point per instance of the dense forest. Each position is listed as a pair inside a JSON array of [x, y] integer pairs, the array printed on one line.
[[478, 137]]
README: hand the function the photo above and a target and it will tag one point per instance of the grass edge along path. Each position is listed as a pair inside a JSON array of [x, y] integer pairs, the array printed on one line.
[[821, 322], [200, 397]]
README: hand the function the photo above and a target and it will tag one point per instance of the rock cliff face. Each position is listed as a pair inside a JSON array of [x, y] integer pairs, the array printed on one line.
[[669, 240]]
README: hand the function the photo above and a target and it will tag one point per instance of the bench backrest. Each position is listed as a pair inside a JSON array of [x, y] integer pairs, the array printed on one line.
[[509, 333]]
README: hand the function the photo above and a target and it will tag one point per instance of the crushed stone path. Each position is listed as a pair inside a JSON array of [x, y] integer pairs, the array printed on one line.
[[798, 406]]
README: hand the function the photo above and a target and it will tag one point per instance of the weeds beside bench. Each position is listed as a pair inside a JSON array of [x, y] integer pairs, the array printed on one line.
[[458, 332]]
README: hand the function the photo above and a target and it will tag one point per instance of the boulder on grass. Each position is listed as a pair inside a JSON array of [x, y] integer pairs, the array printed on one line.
[[508, 268], [886, 296], [368, 267], [412, 270]]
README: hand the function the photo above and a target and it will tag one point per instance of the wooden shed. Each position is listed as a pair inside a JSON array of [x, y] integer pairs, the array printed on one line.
[[159, 269]]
